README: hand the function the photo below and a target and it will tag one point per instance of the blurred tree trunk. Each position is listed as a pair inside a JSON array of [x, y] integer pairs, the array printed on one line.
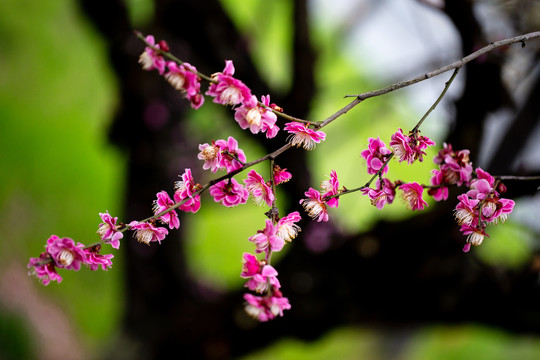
[[402, 273]]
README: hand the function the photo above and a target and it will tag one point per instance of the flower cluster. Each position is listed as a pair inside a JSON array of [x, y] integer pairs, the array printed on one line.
[[225, 89], [64, 253], [480, 206], [316, 202], [454, 169], [405, 148], [261, 276], [409, 148]]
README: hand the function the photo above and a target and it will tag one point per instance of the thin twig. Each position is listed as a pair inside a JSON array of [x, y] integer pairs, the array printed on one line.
[[456, 64]]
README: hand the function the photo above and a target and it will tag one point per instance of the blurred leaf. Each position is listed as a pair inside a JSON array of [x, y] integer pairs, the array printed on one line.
[[508, 245]]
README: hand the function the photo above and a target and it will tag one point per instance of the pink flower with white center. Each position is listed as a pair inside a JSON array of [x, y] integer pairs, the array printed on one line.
[[455, 166], [281, 175], [163, 203], [421, 143], [211, 154], [229, 193], [439, 192], [184, 78], [226, 90], [150, 58], [65, 253], [314, 205], [480, 189], [232, 157], [483, 186], [267, 240], [466, 212], [43, 268], [93, 259], [261, 282], [409, 148], [412, 194], [302, 135], [497, 209], [108, 230], [375, 155], [251, 265], [185, 189], [255, 117], [329, 188], [287, 228], [147, 232], [475, 236], [400, 145], [382, 194], [445, 155], [264, 308], [259, 189]]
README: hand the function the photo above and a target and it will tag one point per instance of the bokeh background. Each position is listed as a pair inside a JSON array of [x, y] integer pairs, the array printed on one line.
[[84, 130]]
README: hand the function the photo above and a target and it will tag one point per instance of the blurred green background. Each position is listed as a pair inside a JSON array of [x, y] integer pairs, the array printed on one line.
[[57, 99]]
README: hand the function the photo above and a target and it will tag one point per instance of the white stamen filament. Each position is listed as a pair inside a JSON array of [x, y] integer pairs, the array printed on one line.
[[464, 216], [146, 61], [253, 117], [66, 257], [209, 153], [475, 238], [176, 80], [313, 208], [144, 236], [230, 96]]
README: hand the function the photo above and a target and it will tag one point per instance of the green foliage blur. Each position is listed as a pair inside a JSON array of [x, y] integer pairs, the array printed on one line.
[[57, 98]]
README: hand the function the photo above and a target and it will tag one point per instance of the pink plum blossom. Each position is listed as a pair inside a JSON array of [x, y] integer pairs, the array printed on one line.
[[466, 211], [229, 193], [65, 253], [150, 59], [438, 191], [256, 117], [251, 265], [412, 194], [475, 236], [93, 259], [409, 148], [232, 158], [267, 240], [108, 230], [281, 175], [330, 188], [43, 268], [287, 227], [185, 189], [261, 281], [454, 165], [185, 79], [265, 308], [211, 154], [375, 155], [383, 193], [302, 135], [259, 189], [226, 90], [147, 232], [315, 205], [163, 203], [400, 145]]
